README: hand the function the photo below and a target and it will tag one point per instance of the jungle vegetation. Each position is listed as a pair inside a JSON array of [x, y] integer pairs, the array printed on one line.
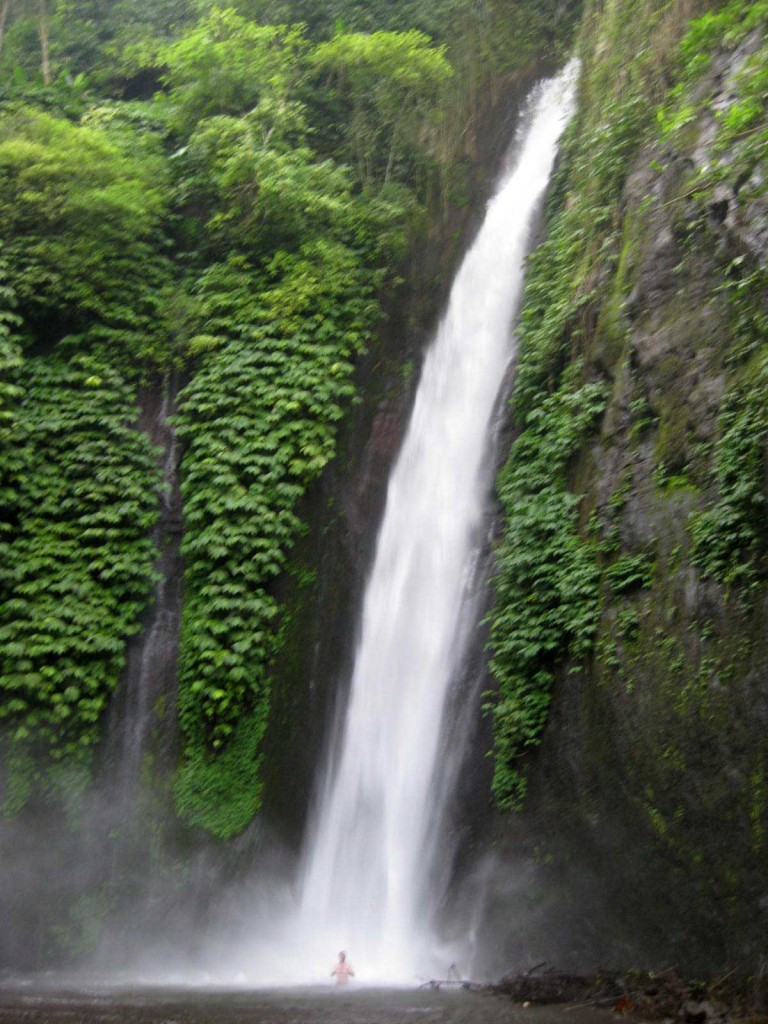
[[226, 192]]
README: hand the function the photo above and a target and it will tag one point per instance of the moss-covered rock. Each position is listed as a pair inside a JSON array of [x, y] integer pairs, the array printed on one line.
[[653, 759]]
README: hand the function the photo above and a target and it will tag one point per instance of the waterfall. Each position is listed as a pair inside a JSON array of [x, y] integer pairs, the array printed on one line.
[[373, 846], [374, 843]]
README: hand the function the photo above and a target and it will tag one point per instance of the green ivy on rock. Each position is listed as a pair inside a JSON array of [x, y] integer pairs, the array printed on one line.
[[78, 562], [547, 579], [729, 538], [259, 421]]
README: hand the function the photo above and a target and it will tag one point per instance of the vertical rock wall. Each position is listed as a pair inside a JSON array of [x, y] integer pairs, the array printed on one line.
[[645, 837]]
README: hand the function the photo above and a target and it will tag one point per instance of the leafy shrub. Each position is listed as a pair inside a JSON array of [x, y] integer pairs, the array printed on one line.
[[82, 229], [226, 64], [387, 84]]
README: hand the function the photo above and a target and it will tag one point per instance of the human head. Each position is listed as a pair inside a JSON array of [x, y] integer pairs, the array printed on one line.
[[342, 956]]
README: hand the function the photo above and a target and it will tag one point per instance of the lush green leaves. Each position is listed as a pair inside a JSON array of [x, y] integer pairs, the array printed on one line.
[[81, 223], [227, 64], [387, 84], [547, 579], [259, 420], [103, 38], [78, 564], [260, 196]]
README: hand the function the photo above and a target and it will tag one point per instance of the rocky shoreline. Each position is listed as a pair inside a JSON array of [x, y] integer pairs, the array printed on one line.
[[645, 995]]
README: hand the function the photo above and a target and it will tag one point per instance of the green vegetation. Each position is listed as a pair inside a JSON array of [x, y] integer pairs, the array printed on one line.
[[82, 210], [78, 560], [723, 27], [229, 65], [259, 420], [549, 578], [729, 539], [298, 245], [225, 192], [382, 123], [262, 280]]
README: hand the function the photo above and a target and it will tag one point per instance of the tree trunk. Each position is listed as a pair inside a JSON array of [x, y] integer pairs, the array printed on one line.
[[391, 160], [43, 32], [5, 7]]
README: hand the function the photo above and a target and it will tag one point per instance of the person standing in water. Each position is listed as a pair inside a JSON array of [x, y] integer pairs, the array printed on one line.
[[343, 970]]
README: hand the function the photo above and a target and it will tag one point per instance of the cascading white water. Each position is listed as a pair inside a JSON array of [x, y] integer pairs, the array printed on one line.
[[370, 852], [373, 846]]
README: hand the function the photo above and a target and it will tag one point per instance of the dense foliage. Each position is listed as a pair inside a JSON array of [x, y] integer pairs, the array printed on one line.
[[81, 499], [547, 579], [260, 420], [222, 191], [82, 208], [85, 266]]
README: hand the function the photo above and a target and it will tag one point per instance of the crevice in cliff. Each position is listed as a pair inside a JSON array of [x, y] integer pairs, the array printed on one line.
[[141, 718]]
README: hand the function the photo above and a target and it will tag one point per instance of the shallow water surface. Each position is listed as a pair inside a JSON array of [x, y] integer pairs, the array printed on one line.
[[95, 1005]]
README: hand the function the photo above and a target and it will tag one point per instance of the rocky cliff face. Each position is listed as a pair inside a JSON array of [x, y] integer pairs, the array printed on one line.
[[649, 794]]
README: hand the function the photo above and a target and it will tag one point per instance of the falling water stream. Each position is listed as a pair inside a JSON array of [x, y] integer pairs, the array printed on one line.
[[152, 658], [373, 843]]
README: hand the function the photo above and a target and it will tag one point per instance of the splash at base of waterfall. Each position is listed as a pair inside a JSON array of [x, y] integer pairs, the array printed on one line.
[[278, 946]]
